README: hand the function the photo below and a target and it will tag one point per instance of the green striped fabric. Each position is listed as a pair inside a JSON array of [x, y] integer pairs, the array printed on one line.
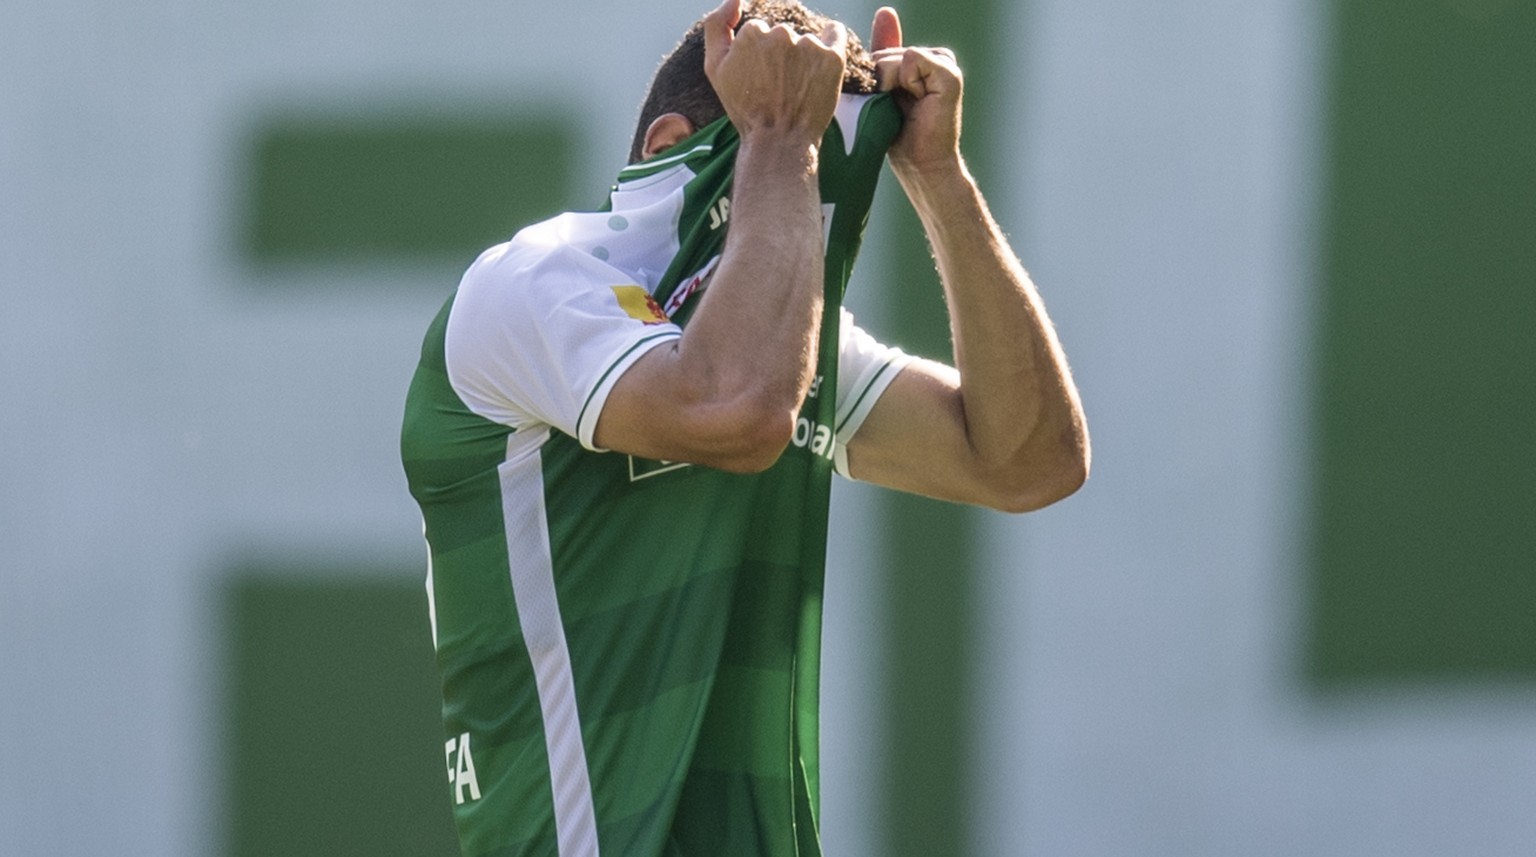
[[630, 650]]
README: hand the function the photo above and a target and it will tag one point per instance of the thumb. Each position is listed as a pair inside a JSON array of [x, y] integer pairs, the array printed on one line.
[[720, 33], [886, 32]]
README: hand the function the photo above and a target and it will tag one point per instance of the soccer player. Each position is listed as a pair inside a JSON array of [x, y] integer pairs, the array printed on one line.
[[624, 424]]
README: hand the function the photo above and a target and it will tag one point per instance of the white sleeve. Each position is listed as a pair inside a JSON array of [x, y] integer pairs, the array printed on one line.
[[865, 368], [540, 335]]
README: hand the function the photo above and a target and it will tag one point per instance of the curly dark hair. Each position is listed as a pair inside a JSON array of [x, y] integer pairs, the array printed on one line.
[[680, 85]]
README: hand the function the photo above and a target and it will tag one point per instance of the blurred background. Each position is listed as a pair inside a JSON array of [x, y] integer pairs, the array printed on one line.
[[1290, 248]]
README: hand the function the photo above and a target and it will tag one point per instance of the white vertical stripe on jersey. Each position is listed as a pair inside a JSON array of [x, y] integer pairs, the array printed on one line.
[[538, 611], [431, 595], [850, 108]]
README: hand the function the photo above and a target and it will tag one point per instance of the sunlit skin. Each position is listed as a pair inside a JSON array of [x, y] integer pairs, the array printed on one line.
[[1002, 428]]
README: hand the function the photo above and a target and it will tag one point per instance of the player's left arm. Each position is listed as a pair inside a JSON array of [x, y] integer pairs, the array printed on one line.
[[1004, 427]]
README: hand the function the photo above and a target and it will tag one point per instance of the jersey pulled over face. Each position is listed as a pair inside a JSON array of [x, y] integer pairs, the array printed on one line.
[[629, 649]]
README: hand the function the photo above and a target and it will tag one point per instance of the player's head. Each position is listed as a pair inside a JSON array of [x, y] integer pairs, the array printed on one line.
[[681, 87]]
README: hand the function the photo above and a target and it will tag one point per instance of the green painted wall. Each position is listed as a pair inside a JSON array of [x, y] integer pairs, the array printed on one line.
[[1424, 551], [334, 737], [395, 186], [927, 547]]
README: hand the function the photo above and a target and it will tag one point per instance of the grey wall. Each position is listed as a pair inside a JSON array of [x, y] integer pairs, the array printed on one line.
[[168, 411], [1150, 695], [171, 411]]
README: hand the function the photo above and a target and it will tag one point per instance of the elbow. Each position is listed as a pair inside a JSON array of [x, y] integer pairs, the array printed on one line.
[[747, 457], [751, 437], [1043, 490], [1043, 482]]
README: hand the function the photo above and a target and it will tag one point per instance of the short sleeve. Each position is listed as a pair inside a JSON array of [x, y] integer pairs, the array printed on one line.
[[541, 334], [865, 368]]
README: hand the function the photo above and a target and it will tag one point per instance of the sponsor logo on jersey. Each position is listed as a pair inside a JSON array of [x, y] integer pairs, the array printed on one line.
[[693, 284], [638, 304], [645, 468], [719, 213], [461, 769], [813, 436]]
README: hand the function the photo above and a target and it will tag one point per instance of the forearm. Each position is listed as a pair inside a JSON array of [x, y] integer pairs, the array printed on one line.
[[1020, 406], [726, 393], [755, 332]]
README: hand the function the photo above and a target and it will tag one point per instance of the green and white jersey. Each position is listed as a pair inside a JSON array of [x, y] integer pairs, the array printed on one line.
[[629, 649]]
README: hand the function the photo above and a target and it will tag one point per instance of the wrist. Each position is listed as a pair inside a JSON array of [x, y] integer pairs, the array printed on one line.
[[779, 149], [931, 183]]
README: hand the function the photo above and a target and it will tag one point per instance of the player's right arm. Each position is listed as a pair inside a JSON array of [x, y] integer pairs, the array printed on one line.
[[726, 393]]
